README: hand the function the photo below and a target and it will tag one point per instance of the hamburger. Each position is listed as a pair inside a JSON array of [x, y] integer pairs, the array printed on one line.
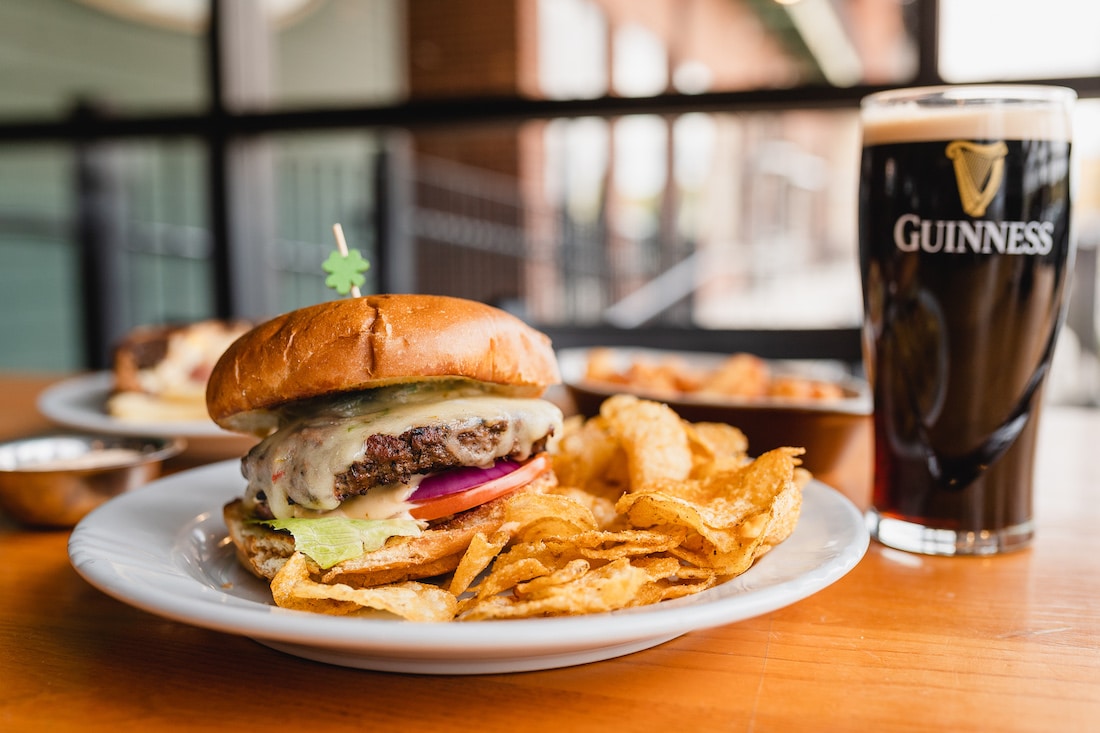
[[392, 426]]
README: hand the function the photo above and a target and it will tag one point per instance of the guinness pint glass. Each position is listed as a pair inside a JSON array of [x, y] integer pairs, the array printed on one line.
[[965, 250]]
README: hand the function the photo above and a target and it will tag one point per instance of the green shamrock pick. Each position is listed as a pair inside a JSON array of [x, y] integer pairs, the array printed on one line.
[[345, 271], [344, 266]]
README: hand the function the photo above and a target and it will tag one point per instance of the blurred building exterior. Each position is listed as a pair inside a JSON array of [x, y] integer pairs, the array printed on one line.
[[624, 164]]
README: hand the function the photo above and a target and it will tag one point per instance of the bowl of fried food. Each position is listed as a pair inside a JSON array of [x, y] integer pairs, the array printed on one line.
[[821, 406]]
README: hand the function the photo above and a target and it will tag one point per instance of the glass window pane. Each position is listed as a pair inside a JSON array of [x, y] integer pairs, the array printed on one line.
[[348, 52], [704, 220], [658, 46], [1086, 147], [166, 237], [672, 46], [993, 40], [322, 180], [145, 203], [39, 275], [578, 70], [713, 220], [302, 53], [340, 52], [59, 52]]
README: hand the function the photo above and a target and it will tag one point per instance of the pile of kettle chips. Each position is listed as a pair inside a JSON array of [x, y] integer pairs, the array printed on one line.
[[648, 508]]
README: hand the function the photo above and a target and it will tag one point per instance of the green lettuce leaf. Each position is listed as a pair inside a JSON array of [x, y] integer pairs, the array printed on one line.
[[331, 540]]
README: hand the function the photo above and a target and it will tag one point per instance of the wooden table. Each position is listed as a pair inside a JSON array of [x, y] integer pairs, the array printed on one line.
[[904, 642]]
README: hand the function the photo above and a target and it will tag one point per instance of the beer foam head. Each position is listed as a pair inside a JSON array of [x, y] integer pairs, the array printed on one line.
[[928, 114]]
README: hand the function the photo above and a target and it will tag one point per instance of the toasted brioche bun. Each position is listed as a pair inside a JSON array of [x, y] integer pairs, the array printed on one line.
[[377, 340], [263, 550]]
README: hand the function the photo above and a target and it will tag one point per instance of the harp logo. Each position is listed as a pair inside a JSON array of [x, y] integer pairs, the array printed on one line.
[[980, 174], [979, 170]]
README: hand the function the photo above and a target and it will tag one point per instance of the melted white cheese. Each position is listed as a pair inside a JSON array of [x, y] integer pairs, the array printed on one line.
[[296, 466]]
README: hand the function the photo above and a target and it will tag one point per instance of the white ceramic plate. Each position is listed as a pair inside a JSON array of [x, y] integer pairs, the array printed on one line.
[[80, 402], [163, 548]]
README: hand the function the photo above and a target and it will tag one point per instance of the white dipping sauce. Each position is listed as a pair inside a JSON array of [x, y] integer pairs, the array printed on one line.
[[99, 458]]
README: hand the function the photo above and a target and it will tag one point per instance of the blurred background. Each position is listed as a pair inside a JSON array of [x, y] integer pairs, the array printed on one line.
[[681, 171]]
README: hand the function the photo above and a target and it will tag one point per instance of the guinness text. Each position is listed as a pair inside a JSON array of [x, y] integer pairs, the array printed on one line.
[[913, 234]]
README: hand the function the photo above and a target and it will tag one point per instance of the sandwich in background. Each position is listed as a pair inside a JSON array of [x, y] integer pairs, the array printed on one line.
[[161, 371]]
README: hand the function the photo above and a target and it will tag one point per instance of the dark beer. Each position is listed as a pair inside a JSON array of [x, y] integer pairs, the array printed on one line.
[[965, 251]]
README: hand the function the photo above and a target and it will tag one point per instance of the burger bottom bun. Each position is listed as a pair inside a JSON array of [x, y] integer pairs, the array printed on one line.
[[264, 551]]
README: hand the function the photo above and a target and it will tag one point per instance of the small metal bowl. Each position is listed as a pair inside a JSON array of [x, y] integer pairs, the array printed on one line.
[[54, 480]]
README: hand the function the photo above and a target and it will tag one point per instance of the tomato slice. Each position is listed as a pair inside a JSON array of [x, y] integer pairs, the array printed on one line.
[[443, 506]]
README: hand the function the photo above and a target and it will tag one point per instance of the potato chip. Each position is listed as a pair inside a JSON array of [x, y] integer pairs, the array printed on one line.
[[478, 555], [784, 516], [653, 437], [548, 552], [533, 516], [798, 388], [596, 545], [591, 458], [664, 590], [606, 588], [626, 543], [667, 580], [547, 527], [652, 508], [357, 578], [527, 517], [602, 366], [732, 511], [716, 447], [505, 576], [602, 508], [292, 587], [743, 376], [740, 375], [730, 562], [677, 583], [696, 573], [542, 586]]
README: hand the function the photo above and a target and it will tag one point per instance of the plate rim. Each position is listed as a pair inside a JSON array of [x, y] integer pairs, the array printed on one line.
[[97, 555], [61, 402]]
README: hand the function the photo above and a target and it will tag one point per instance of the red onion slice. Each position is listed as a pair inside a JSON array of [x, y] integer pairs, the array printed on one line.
[[460, 479]]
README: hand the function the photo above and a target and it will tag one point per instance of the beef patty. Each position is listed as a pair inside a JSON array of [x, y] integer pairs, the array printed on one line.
[[388, 459]]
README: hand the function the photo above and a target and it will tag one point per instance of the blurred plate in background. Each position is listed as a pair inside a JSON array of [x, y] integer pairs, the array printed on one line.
[[80, 402]]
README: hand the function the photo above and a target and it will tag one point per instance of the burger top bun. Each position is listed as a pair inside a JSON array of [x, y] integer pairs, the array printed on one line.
[[373, 341]]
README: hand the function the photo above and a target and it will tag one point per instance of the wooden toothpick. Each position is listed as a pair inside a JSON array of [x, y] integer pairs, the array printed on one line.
[[342, 245]]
